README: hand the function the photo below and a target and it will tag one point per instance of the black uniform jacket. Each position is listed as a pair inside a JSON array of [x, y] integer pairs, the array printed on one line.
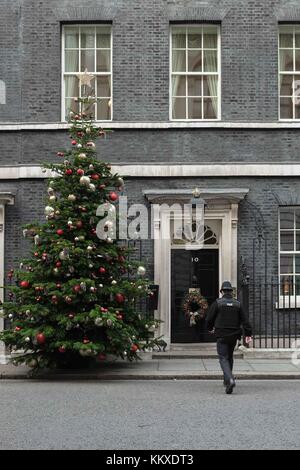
[[226, 316]]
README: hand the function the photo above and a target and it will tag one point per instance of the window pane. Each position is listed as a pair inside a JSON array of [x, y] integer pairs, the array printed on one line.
[[286, 285], [71, 105], [297, 241], [71, 61], [297, 264], [195, 38], [178, 61], [178, 85], [103, 86], [71, 86], [89, 109], [210, 85], [297, 39], [297, 217], [103, 110], [286, 264], [286, 86], [287, 218], [286, 108], [286, 36], [210, 108], [88, 61], [71, 37], [297, 286], [194, 61], [88, 89], [287, 241], [297, 107], [179, 111], [179, 38], [286, 60], [88, 37], [210, 37], [194, 108], [210, 61], [103, 37], [194, 86], [297, 60], [103, 61]]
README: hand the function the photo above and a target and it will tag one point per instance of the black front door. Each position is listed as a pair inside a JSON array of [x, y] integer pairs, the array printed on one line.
[[192, 269]]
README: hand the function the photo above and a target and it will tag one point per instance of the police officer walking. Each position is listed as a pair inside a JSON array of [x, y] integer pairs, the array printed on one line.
[[225, 319]]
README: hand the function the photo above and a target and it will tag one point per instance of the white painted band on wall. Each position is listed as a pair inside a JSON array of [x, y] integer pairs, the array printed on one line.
[[161, 125], [138, 170]]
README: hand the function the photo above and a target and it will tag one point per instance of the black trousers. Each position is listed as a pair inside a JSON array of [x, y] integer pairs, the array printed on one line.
[[225, 349]]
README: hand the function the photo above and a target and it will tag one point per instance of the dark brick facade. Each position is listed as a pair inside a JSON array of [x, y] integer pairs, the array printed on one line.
[[30, 65]]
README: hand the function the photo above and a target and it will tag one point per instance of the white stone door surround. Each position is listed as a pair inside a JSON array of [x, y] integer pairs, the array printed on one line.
[[222, 206], [5, 198]]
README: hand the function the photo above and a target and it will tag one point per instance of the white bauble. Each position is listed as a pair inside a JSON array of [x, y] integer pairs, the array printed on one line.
[[82, 156], [114, 282], [85, 180], [49, 210], [79, 146], [72, 197], [70, 223], [52, 198], [141, 271], [99, 322], [92, 187]]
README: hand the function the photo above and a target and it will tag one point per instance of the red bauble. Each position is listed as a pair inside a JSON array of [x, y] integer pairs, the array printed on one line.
[[71, 316], [24, 284], [62, 349], [58, 264], [103, 309], [113, 196], [80, 134], [39, 298], [60, 232], [121, 259], [95, 177], [93, 231], [120, 317], [74, 142], [69, 172], [68, 299], [79, 224], [18, 328], [40, 338], [134, 348], [86, 340], [36, 254], [58, 286], [102, 186], [80, 172], [77, 288], [120, 298], [102, 357], [60, 154], [54, 299], [102, 270]]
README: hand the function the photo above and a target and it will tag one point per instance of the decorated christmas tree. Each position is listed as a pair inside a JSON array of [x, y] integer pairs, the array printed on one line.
[[75, 298]]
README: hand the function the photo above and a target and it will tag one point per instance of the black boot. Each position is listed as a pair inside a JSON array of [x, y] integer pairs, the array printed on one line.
[[230, 386]]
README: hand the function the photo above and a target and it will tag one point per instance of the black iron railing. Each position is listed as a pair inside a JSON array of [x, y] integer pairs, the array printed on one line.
[[274, 312]]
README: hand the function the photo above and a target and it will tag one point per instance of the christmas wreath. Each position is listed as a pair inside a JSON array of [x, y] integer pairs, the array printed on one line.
[[195, 307]]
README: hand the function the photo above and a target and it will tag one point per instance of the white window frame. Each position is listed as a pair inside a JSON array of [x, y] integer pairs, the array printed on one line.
[[63, 73], [293, 300], [171, 73], [294, 72]]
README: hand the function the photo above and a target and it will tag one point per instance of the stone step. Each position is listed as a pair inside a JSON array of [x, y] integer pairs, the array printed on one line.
[[196, 354]]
